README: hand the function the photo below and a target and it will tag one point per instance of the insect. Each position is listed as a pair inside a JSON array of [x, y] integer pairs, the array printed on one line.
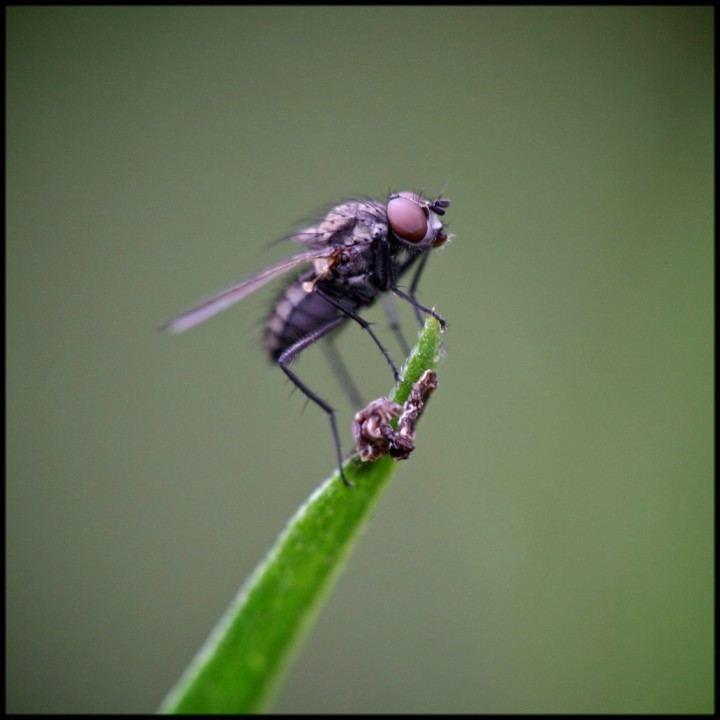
[[357, 252]]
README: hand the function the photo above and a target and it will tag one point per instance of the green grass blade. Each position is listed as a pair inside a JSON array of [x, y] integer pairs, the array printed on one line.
[[243, 660]]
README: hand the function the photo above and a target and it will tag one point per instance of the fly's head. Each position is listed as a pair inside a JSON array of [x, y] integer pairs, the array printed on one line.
[[415, 220]]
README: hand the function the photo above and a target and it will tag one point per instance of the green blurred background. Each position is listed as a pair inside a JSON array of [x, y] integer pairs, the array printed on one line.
[[549, 547]]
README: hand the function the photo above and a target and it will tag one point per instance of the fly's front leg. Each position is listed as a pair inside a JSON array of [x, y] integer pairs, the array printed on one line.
[[410, 296], [394, 323], [414, 285], [284, 361], [418, 307]]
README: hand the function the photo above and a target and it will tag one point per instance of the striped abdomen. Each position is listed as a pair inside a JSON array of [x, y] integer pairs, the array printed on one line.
[[296, 313]]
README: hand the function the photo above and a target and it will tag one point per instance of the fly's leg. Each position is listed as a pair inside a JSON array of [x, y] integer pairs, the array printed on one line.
[[414, 285], [391, 312], [418, 307], [284, 361], [364, 324]]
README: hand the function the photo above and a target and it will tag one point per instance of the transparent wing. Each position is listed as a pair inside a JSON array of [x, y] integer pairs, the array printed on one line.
[[231, 295]]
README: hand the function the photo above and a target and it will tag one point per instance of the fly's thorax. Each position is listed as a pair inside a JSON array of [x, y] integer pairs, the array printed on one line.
[[365, 219], [347, 224]]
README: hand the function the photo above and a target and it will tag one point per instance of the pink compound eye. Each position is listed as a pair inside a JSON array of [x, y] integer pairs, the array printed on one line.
[[407, 218]]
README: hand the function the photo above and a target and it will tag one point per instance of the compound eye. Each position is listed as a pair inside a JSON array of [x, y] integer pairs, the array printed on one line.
[[407, 219]]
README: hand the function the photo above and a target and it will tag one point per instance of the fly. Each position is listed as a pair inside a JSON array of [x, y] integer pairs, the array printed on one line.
[[358, 251]]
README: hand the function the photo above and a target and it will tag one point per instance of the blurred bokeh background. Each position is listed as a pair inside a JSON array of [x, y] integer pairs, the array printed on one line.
[[549, 547]]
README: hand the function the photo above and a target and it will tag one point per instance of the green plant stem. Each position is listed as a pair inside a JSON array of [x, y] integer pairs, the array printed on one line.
[[242, 662]]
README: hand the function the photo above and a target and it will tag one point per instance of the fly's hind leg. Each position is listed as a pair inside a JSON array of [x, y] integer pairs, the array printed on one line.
[[289, 355]]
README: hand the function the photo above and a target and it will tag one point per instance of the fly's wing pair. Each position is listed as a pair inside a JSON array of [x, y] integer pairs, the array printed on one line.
[[321, 240], [236, 293]]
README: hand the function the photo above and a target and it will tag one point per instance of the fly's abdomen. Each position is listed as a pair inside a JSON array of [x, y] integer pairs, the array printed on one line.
[[296, 314]]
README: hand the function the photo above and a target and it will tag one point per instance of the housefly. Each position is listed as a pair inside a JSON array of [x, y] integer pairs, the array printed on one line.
[[358, 251]]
